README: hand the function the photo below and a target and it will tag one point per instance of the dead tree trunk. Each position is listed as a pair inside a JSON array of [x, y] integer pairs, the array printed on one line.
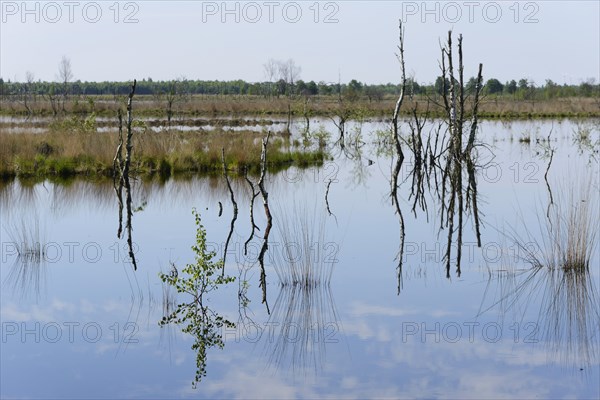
[[452, 180], [129, 143], [265, 196], [400, 154]]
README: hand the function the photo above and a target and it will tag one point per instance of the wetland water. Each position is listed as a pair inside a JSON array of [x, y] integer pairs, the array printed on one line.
[[78, 321]]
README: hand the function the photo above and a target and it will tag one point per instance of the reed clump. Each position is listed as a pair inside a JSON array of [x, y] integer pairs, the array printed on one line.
[[27, 275], [305, 257], [568, 230], [27, 239], [575, 230]]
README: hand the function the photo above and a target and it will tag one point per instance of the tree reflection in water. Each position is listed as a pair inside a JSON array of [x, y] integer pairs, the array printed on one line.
[[197, 319]]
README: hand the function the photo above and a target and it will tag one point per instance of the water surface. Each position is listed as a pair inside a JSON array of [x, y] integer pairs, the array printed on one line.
[[79, 322]]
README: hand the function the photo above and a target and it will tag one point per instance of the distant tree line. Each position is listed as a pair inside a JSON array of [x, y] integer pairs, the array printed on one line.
[[521, 89]]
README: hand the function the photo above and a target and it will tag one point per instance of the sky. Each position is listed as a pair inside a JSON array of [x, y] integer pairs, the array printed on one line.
[[330, 41]]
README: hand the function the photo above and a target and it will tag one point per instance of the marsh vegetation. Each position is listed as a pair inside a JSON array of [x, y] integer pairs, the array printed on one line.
[[309, 214]]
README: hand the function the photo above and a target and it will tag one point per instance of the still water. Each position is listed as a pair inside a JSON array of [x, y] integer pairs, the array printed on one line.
[[78, 321]]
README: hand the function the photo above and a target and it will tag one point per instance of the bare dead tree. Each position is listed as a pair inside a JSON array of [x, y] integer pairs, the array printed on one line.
[[340, 123], [474, 117], [265, 196], [177, 92], [118, 173], [293, 72], [289, 73], [235, 209], [399, 152], [341, 115], [443, 151], [452, 193], [170, 97], [28, 92], [118, 159], [125, 176], [65, 76], [270, 71], [52, 97], [129, 141], [121, 169]]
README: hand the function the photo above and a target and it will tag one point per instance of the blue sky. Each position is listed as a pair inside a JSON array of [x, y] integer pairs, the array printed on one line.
[[351, 39]]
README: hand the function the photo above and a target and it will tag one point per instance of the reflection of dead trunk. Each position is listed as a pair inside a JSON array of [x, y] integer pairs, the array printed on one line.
[[396, 203], [289, 118], [341, 125], [121, 172], [306, 113], [261, 260], [472, 188], [472, 192], [128, 226], [128, 151], [452, 181], [327, 200], [400, 154], [265, 196], [551, 202], [419, 171], [235, 209], [252, 223], [119, 193], [442, 154]]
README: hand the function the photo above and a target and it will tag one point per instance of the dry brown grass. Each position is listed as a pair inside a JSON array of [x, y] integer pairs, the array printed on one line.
[[66, 152], [216, 105]]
